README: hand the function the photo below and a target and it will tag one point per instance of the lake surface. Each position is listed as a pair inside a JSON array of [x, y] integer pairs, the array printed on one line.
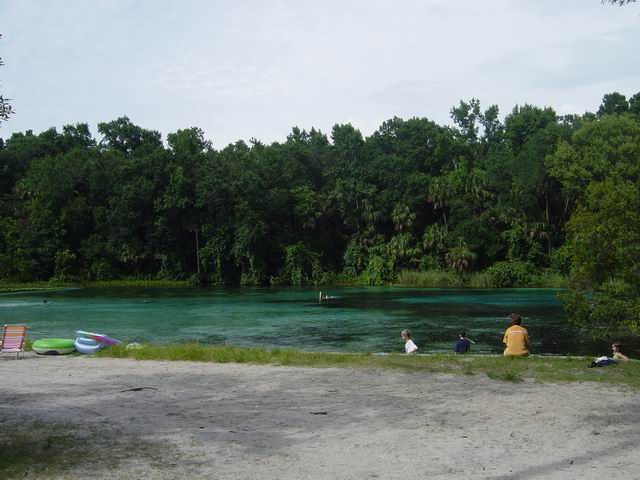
[[358, 320]]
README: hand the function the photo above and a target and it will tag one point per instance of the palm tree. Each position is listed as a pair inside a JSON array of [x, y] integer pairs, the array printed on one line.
[[402, 218], [438, 195], [460, 258]]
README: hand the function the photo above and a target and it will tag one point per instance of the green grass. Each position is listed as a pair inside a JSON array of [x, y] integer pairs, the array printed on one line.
[[45, 450], [406, 278], [548, 279], [34, 447], [534, 368], [449, 279], [505, 376], [138, 283], [481, 280], [11, 287], [428, 279]]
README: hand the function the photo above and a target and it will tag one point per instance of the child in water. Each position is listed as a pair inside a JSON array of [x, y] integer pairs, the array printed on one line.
[[463, 345], [409, 346]]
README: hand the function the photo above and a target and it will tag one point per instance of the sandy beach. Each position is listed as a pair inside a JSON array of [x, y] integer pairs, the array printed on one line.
[[166, 420]]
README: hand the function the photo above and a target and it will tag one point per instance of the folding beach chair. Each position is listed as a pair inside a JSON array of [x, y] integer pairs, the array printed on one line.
[[13, 339]]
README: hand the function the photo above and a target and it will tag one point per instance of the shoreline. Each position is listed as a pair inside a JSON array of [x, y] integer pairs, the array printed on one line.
[[534, 367], [8, 286], [540, 368]]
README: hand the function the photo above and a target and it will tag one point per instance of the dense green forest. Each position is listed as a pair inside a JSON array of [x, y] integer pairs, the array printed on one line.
[[533, 193]]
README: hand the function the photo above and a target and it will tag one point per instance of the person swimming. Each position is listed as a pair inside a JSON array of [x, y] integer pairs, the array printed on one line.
[[325, 297]]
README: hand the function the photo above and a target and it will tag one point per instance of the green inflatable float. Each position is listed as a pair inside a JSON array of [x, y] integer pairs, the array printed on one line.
[[53, 346]]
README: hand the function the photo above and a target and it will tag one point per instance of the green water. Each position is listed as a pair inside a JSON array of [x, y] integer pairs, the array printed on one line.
[[358, 320]]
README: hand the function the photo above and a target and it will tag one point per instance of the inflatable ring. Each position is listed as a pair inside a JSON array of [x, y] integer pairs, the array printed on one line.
[[53, 346], [87, 346], [89, 343], [105, 340]]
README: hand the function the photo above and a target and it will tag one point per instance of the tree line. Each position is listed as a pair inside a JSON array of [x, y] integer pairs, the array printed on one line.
[[532, 192]]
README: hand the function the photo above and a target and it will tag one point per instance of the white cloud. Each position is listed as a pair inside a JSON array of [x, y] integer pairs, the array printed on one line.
[[255, 69]]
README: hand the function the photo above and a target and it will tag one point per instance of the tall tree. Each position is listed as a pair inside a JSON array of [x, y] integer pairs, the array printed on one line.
[[613, 104], [634, 104], [5, 107], [601, 170], [604, 241]]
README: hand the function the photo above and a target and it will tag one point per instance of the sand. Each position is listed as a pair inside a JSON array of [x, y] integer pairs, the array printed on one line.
[[201, 420]]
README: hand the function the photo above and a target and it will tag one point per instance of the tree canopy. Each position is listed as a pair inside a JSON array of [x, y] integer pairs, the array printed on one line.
[[619, 2], [519, 197]]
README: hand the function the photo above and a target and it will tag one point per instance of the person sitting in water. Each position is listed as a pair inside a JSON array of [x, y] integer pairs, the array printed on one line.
[[326, 297], [463, 345], [409, 346], [516, 338]]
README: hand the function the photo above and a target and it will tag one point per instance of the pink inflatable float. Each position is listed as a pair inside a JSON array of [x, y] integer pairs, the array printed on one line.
[[89, 343]]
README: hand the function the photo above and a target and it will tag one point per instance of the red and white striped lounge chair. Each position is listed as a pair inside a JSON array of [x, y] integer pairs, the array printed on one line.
[[13, 337]]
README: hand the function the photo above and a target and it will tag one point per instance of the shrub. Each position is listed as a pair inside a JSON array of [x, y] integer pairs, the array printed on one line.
[[301, 265], [356, 258], [101, 270], [429, 279], [512, 274], [550, 279], [376, 272], [481, 280], [65, 265], [561, 260]]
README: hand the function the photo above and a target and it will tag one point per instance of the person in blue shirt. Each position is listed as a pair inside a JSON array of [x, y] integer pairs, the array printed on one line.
[[463, 345]]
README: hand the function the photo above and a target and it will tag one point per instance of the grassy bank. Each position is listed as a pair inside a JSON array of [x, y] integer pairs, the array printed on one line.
[[406, 278], [541, 369], [11, 287], [139, 283], [450, 279]]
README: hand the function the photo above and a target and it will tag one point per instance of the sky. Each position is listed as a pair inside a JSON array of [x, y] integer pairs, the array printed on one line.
[[255, 69]]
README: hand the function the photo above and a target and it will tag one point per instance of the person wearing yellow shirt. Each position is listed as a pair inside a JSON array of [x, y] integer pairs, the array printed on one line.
[[516, 338]]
